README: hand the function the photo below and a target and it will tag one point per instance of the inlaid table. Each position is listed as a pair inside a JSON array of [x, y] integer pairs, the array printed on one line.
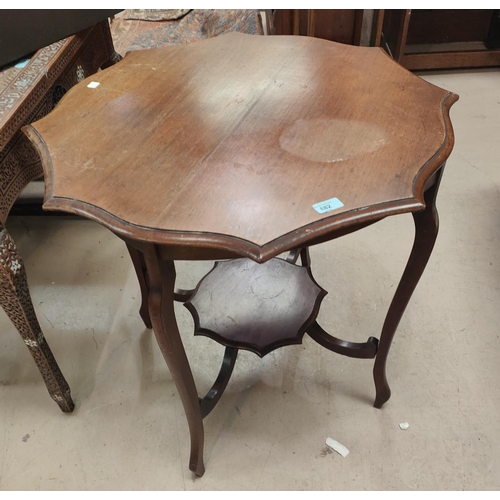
[[27, 94], [238, 149]]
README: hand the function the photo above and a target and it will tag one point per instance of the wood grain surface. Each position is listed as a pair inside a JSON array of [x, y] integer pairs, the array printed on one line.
[[257, 307], [228, 143]]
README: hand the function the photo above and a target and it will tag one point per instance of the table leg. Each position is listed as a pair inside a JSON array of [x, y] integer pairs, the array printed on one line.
[[161, 275], [426, 230], [16, 301], [142, 275]]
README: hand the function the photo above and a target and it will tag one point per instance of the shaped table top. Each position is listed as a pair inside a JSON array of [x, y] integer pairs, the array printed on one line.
[[229, 142]]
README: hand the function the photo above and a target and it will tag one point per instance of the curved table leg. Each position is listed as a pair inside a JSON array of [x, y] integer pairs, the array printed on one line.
[[16, 301], [305, 257], [182, 295], [161, 309], [137, 257], [142, 275], [207, 404], [365, 350], [303, 253], [426, 230]]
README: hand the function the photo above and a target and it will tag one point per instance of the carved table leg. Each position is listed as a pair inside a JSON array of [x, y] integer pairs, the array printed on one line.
[[16, 301], [426, 230], [161, 309], [141, 271]]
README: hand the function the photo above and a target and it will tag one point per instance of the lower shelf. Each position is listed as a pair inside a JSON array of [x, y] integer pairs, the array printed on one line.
[[257, 307]]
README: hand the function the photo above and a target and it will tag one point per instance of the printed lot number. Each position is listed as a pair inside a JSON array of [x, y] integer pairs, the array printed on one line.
[[328, 205]]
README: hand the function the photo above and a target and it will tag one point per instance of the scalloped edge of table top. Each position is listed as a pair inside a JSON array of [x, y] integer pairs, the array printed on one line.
[[324, 228]]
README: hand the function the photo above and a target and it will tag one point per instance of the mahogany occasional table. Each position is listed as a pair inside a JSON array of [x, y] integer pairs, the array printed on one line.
[[237, 149]]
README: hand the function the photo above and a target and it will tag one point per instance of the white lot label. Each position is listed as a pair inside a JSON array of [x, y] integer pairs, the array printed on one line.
[[328, 205]]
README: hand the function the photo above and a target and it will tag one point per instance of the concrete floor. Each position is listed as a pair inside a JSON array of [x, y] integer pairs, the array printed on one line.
[[128, 431]]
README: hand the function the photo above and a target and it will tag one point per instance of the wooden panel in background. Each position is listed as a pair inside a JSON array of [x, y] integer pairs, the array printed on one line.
[[394, 31], [433, 39], [448, 25], [338, 25], [465, 59]]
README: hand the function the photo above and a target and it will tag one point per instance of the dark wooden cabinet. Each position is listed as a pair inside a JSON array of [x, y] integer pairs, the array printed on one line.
[[440, 38], [338, 25]]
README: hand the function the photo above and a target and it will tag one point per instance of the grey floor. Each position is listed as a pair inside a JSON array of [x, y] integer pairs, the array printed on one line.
[[128, 430]]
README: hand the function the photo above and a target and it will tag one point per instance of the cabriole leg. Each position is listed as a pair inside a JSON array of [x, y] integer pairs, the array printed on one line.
[[161, 275], [426, 230], [141, 271]]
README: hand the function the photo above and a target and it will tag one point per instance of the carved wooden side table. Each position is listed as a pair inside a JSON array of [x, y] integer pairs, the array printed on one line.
[[237, 149], [26, 95]]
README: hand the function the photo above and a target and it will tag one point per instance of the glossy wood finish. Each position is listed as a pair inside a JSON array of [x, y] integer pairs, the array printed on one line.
[[218, 150], [257, 307], [426, 230], [262, 307], [161, 309], [364, 350], [242, 119], [142, 275], [207, 404]]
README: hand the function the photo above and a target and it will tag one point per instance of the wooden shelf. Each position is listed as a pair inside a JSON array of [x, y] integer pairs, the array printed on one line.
[[257, 307]]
